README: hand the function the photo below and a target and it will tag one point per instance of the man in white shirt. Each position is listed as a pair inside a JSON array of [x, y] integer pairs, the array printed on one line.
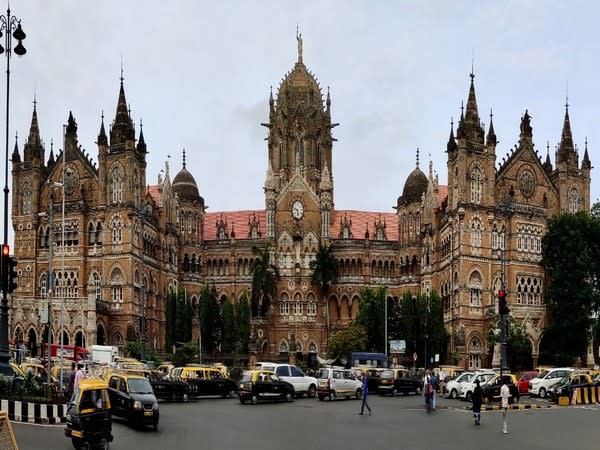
[[504, 395]]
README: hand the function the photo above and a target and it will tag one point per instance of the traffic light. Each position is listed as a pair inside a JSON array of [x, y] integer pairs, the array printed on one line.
[[9, 272], [502, 302], [12, 274]]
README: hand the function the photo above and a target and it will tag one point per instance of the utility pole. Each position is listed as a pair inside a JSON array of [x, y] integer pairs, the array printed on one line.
[[503, 310], [50, 278]]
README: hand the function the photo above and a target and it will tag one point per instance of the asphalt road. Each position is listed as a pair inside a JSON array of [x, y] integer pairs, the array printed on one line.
[[398, 423]]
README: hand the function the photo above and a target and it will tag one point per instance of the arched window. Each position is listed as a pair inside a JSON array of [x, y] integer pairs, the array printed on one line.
[[574, 200], [97, 286], [116, 180], [475, 287], [116, 230], [116, 291], [284, 347], [476, 185], [476, 236], [26, 197]]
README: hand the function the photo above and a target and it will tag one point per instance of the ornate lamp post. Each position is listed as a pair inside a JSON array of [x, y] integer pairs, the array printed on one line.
[[10, 26]]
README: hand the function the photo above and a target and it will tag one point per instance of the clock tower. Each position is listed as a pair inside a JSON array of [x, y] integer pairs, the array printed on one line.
[[299, 185]]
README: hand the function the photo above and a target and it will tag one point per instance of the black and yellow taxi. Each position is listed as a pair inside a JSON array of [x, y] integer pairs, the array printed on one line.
[[205, 381], [263, 385], [132, 398], [394, 381], [566, 385], [491, 389], [89, 421]]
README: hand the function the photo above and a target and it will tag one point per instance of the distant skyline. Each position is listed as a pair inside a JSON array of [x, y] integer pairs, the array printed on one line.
[[198, 75]]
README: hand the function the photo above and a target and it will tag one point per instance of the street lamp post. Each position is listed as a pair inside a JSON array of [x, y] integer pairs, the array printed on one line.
[[507, 207], [11, 27], [62, 261], [143, 338]]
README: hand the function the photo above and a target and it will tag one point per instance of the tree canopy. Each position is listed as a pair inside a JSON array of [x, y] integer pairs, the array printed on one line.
[[570, 255], [351, 338], [265, 276]]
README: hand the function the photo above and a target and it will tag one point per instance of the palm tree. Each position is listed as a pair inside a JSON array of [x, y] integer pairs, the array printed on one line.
[[325, 273], [264, 281]]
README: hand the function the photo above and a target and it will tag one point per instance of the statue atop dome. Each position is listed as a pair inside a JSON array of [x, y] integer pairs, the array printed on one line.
[[299, 39]]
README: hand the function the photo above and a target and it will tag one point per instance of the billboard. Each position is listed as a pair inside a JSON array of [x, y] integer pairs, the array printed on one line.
[[397, 346]]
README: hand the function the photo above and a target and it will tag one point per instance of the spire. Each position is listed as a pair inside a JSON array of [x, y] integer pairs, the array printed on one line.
[[469, 126], [71, 124], [491, 136], [184, 158], [51, 157], [548, 164], [585, 164], [417, 157], [34, 129], [16, 158], [102, 135], [566, 147], [451, 145], [141, 145], [122, 129]]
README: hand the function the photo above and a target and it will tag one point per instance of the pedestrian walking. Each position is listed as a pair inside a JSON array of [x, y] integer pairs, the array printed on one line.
[[433, 380], [365, 394], [477, 399], [504, 395], [78, 376]]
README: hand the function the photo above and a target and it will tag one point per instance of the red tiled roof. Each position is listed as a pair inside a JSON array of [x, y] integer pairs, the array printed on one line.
[[236, 219], [153, 191], [442, 194], [361, 220]]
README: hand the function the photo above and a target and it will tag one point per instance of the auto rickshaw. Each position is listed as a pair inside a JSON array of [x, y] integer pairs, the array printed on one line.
[[89, 422]]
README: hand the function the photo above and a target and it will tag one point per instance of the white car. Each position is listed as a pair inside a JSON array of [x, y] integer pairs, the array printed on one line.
[[303, 384], [453, 386], [337, 382], [540, 384], [466, 390]]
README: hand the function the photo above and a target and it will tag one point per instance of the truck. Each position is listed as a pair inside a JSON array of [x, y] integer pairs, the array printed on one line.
[[104, 354]]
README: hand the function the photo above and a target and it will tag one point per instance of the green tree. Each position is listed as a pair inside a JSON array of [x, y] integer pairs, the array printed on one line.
[[518, 345], [185, 354], [243, 324], [170, 320], [371, 315], [183, 318], [209, 318], [264, 281], [570, 254], [351, 338], [228, 327], [325, 273]]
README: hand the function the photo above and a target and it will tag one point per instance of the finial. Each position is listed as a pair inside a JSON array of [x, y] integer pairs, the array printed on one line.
[[548, 146], [567, 95], [462, 108], [51, 144], [586, 143], [141, 125], [122, 68], [451, 122], [491, 115], [102, 116], [472, 75], [34, 98], [417, 157], [184, 158]]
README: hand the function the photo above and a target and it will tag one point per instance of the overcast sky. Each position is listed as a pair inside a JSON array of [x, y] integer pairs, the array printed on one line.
[[198, 74]]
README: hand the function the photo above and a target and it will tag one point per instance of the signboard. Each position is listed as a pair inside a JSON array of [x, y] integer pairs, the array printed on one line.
[[397, 346], [44, 312], [437, 357]]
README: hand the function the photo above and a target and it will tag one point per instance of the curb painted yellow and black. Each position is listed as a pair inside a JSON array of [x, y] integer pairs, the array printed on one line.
[[512, 407], [587, 395]]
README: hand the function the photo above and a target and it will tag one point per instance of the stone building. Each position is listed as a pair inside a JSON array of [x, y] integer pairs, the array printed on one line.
[[126, 243]]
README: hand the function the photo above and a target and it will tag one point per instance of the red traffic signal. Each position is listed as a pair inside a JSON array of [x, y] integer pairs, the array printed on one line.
[[502, 302], [5, 250]]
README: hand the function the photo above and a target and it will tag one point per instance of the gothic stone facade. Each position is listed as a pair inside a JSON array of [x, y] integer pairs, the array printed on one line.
[[122, 235]]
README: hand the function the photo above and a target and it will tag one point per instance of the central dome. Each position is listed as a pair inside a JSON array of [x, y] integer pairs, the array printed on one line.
[[185, 187], [414, 188]]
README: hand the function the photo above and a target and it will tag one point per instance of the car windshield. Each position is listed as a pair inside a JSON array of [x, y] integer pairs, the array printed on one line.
[[247, 377], [139, 386], [387, 374], [324, 373], [543, 375]]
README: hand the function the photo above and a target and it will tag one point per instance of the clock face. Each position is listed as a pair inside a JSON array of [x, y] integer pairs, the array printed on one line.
[[297, 210]]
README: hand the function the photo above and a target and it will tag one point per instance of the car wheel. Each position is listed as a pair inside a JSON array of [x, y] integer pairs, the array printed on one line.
[[185, 398], [358, 394], [77, 443], [469, 396], [321, 398], [254, 399], [242, 400], [453, 394], [289, 397], [155, 425], [332, 396], [542, 393], [394, 391], [312, 390], [418, 391]]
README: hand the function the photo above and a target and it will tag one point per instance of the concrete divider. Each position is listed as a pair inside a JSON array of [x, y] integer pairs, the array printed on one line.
[[512, 407], [588, 395], [39, 413]]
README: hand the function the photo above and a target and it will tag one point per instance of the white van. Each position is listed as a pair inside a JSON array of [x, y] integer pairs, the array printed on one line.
[[540, 384], [338, 382], [303, 384]]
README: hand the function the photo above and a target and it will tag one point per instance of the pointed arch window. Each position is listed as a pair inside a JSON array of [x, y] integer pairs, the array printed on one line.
[[476, 185], [116, 230], [136, 188], [97, 286], [116, 182], [300, 150], [574, 200], [475, 288], [476, 236], [26, 193], [116, 290]]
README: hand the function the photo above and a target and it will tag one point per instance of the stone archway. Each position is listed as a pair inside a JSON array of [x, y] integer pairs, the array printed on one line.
[[100, 335], [32, 342], [80, 339]]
